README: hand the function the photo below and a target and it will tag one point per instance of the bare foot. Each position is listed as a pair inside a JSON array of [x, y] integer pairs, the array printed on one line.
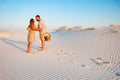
[[42, 49], [29, 51]]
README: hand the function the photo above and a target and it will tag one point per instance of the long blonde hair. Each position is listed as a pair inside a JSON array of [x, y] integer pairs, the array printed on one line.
[[31, 25]]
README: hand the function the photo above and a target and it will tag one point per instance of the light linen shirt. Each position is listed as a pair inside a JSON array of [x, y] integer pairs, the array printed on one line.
[[42, 26]]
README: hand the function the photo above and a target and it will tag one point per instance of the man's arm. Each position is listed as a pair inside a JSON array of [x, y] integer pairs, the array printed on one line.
[[36, 29]]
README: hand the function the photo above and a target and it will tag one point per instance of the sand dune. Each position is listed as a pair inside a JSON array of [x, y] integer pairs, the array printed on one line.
[[67, 28], [88, 54], [4, 34]]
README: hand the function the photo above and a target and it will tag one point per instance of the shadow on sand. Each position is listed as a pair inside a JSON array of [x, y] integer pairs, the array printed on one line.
[[15, 44]]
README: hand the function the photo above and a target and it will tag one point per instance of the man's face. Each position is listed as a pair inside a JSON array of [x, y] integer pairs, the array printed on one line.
[[38, 19]]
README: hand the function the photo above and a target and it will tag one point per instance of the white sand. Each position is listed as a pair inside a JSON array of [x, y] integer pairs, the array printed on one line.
[[71, 55]]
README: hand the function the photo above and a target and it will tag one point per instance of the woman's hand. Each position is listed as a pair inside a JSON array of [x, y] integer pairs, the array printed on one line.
[[36, 29], [28, 29], [39, 29]]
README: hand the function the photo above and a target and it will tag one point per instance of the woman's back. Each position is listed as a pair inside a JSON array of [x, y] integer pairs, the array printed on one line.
[[31, 33]]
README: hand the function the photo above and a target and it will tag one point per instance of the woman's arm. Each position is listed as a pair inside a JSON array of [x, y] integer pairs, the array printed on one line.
[[28, 28], [36, 29]]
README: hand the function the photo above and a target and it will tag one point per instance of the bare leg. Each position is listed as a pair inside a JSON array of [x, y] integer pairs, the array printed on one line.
[[43, 42], [29, 50]]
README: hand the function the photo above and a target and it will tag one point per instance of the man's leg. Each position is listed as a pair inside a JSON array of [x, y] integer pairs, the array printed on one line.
[[43, 42]]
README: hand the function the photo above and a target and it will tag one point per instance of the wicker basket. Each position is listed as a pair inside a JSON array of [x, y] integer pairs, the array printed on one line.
[[47, 37]]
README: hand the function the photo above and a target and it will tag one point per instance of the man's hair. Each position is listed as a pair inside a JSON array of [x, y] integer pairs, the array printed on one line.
[[37, 16]]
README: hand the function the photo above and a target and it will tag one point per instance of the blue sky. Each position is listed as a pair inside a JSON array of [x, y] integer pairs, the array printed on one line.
[[15, 14]]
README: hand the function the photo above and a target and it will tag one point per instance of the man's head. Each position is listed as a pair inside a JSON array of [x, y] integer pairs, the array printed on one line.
[[38, 18]]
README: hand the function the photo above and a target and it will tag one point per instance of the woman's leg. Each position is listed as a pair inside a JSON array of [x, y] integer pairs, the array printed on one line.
[[29, 50]]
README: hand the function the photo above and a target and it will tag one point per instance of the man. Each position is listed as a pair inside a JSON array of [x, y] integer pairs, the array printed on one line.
[[42, 31]]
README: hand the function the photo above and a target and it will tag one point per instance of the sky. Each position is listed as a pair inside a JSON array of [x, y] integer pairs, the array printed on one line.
[[15, 14]]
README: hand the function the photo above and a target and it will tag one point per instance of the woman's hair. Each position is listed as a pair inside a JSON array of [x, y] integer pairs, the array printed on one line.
[[31, 23]]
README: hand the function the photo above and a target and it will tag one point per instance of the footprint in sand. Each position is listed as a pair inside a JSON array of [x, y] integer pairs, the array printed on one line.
[[72, 58], [99, 61], [117, 74], [82, 65], [62, 52], [34, 52]]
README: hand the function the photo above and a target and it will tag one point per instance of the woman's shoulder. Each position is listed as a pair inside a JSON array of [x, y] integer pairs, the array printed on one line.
[[28, 26]]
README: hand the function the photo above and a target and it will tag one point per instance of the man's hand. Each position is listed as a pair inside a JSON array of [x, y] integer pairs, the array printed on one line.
[[39, 28]]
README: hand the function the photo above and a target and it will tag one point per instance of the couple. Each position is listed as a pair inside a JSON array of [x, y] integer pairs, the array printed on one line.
[[31, 33]]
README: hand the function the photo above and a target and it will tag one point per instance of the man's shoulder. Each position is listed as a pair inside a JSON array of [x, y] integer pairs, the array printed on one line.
[[42, 21]]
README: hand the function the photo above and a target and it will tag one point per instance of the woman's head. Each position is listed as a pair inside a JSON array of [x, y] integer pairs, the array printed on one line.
[[31, 22]]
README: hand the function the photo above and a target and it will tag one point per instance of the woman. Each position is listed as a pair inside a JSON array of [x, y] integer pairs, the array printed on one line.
[[31, 34]]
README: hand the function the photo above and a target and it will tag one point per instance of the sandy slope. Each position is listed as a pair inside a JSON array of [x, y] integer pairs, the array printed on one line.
[[70, 55]]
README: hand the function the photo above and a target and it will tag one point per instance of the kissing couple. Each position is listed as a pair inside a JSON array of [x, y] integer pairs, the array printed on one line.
[[41, 27]]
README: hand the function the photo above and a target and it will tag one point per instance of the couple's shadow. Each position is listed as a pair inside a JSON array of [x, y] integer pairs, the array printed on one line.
[[21, 45]]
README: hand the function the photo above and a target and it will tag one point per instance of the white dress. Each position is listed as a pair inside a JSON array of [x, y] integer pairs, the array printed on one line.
[[31, 35]]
